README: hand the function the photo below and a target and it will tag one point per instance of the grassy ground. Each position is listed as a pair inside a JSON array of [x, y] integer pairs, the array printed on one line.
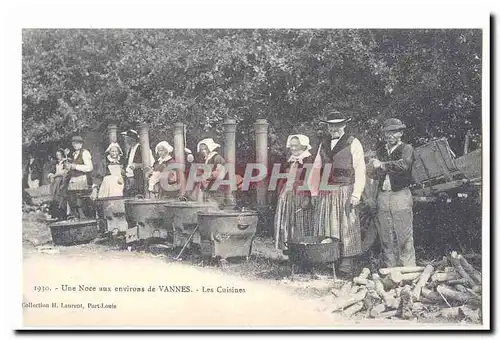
[[266, 263]]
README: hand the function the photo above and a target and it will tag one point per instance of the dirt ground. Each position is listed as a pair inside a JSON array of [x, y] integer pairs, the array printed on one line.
[[273, 297]]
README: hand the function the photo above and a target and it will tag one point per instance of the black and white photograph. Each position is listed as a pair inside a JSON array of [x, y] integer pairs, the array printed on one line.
[[317, 178]]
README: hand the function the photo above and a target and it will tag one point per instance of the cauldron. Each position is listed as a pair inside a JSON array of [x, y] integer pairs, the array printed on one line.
[[309, 250], [227, 233], [146, 218], [182, 218], [111, 210], [73, 232]]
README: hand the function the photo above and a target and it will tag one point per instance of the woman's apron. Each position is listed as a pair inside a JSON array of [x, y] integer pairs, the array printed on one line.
[[112, 185]]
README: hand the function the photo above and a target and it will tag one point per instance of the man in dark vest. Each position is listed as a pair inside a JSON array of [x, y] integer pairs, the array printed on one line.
[[336, 213], [392, 168], [134, 170], [80, 167]]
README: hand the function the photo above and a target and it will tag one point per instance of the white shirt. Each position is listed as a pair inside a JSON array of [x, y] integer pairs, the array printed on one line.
[[358, 164], [133, 150], [87, 161], [386, 186]]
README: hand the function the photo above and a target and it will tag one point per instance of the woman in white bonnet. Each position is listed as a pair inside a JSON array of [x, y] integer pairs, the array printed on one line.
[[162, 179], [110, 175], [207, 154], [293, 218]]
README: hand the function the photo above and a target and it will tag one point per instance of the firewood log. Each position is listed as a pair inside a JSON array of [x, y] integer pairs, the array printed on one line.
[[402, 270], [398, 291], [379, 288], [365, 273], [372, 299], [431, 295], [405, 308], [388, 314], [353, 309], [460, 270], [362, 279], [451, 294], [460, 281], [398, 277], [443, 277], [449, 269], [362, 282], [377, 310], [426, 274], [354, 289], [461, 288], [349, 300], [474, 274], [388, 283]]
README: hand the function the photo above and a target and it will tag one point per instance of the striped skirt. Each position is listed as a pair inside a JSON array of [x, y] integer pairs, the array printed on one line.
[[334, 218], [293, 219]]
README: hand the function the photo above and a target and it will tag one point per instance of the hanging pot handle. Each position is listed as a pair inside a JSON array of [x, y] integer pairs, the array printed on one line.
[[139, 196], [243, 226]]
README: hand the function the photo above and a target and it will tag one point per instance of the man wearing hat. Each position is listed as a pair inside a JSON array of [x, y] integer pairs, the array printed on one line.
[[80, 169], [392, 168], [134, 169], [336, 213]]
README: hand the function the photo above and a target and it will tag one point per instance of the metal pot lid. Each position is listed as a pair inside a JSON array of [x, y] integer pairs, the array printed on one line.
[[188, 204], [113, 198], [228, 213], [73, 223], [145, 201]]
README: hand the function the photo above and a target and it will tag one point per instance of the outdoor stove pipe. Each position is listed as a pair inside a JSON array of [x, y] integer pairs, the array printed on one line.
[[260, 127], [144, 142], [113, 137], [179, 155], [230, 155]]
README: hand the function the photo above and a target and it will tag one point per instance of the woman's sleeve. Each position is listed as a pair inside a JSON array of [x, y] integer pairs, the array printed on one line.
[[218, 166], [281, 183]]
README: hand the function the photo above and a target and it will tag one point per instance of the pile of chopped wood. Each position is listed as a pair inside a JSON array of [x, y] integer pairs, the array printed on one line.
[[449, 288]]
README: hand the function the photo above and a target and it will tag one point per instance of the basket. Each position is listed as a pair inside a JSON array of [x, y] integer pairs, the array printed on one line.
[[310, 250]]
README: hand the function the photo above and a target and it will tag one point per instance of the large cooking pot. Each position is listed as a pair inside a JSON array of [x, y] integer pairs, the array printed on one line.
[[227, 233], [146, 218], [311, 250], [111, 210], [73, 232], [182, 217]]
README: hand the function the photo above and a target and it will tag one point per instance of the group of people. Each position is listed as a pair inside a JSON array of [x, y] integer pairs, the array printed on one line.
[[332, 213], [74, 179]]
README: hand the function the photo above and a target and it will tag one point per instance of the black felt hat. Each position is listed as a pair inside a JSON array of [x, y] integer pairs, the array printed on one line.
[[336, 117]]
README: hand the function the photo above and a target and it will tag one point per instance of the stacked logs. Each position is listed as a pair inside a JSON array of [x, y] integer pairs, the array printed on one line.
[[449, 288]]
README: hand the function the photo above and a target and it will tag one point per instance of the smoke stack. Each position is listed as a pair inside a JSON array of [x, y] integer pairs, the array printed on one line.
[[230, 156], [260, 127], [144, 142], [179, 155], [113, 137]]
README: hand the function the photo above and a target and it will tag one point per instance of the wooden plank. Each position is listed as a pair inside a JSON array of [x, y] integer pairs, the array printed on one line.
[[433, 160], [440, 188]]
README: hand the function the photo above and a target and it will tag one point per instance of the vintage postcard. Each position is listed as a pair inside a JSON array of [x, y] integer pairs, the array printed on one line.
[[293, 178]]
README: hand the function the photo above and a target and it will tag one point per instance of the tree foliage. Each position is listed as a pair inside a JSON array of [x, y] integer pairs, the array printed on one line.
[[77, 80]]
